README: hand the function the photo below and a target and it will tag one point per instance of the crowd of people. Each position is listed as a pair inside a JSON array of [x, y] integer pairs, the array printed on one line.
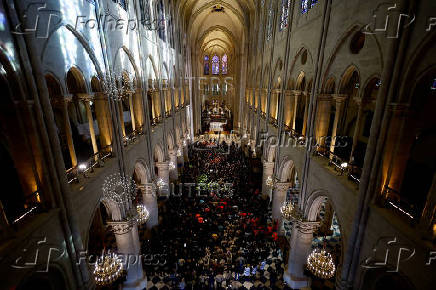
[[221, 235]]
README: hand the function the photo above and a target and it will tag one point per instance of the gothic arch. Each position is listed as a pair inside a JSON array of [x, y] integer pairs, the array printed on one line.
[[142, 172], [344, 40], [159, 155]]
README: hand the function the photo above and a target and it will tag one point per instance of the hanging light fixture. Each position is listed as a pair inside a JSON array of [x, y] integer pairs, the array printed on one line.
[[143, 214], [108, 269], [288, 210], [160, 183], [172, 165], [179, 152], [320, 263], [269, 181]]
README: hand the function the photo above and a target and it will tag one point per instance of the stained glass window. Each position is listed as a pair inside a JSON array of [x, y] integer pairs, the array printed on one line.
[[224, 64], [215, 65], [123, 3], [145, 13], [206, 64], [161, 20], [270, 22], [304, 6], [284, 18]]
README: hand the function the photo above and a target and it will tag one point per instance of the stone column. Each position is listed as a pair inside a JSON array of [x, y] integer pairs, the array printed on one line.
[[68, 134], [132, 112], [396, 153], [306, 99], [128, 246], [91, 127], [322, 118], [103, 119], [268, 170], [301, 243], [279, 197], [121, 113], [164, 174], [357, 129], [138, 104], [339, 103], [297, 99], [173, 159], [149, 199], [180, 159]]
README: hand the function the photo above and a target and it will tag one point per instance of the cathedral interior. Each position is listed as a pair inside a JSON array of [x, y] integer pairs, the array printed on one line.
[[218, 144]]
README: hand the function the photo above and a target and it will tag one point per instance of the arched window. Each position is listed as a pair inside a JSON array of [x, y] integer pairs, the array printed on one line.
[[206, 64], [269, 27], [161, 26], [224, 64], [215, 65], [145, 13], [284, 18], [306, 5]]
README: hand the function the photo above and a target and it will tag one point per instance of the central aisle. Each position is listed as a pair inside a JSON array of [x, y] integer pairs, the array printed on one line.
[[217, 238]]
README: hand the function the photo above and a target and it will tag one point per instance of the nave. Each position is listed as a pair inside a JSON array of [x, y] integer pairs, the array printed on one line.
[[218, 236]]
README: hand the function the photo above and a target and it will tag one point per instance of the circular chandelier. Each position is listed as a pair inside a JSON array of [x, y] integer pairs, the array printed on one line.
[[143, 214], [288, 211], [320, 263], [108, 269], [172, 165], [119, 188]]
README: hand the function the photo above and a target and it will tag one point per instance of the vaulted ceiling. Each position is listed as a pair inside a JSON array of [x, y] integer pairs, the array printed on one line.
[[217, 26]]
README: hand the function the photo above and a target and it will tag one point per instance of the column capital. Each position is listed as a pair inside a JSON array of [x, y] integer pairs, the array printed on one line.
[[399, 107], [162, 165], [276, 91], [307, 227], [339, 97], [122, 227], [268, 164], [324, 97], [296, 92], [85, 96], [283, 186]]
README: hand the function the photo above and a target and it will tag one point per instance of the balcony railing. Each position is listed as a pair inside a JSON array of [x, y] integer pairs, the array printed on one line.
[[353, 172], [394, 202], [32, 206], [273, 122], [96, 160], [263, 115], [132, 137], [300, 138]]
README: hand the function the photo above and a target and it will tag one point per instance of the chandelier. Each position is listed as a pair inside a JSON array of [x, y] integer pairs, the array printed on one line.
[[179, 152], [143, 214], [288, 210], [172, 165], [108, 269], [119, 188], [160, 184], [269, 181], [320, 263]]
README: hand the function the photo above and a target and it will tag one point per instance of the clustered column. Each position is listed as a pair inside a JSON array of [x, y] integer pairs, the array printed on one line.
[[128, 246], [268, 170], [149, 199], [279, 197], [301, 243]]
